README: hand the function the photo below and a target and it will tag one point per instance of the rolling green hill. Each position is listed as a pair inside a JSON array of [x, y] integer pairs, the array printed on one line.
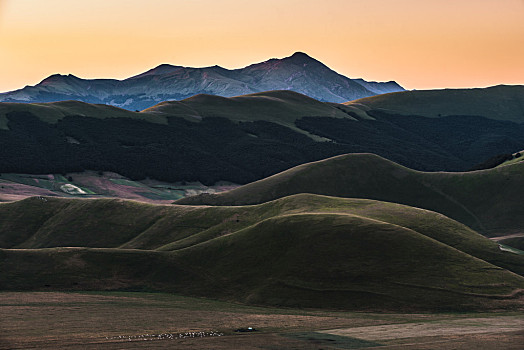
[[52, 112], [45, 222], [501, 102], [283, 107], [381, 255], [486, 200]]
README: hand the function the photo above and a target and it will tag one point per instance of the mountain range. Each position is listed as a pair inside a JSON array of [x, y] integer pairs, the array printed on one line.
[[298, 72]]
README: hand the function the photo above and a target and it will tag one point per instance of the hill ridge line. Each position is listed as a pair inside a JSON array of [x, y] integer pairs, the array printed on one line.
[[463, 196], [364, 218]]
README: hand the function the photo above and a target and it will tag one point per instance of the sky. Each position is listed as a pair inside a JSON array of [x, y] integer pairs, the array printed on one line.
[[420, 44]]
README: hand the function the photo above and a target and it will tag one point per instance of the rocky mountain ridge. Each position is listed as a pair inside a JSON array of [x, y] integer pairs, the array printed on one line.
[[299, 73]]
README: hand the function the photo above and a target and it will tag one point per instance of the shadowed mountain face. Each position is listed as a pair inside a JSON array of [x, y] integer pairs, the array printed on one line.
[[298, 72]]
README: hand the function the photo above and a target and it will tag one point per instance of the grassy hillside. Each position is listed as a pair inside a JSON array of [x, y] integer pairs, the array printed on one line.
[[486, 200], [52, 112], [500, 102], [369, 262], [44, 222], [381, 255], [281, 106]]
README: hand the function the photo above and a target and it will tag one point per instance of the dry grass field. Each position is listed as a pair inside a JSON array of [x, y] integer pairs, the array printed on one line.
[[125, 320]]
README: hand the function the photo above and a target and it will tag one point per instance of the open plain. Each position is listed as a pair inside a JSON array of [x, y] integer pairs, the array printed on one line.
[[129, 320]]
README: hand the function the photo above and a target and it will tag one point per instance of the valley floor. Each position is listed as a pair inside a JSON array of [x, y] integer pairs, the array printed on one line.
[[116, 320]]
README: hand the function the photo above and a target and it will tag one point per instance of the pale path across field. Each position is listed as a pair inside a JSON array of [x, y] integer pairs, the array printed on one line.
[[499, 238]]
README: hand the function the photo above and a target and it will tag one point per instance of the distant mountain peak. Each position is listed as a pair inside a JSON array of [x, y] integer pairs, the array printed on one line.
[[300, 54], [58, 77], [161, 69], [54, 76], [300, 58], [299, 72], [163, 66]]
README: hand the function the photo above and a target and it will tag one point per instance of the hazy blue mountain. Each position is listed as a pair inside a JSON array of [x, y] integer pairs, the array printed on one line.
[[298, 72]]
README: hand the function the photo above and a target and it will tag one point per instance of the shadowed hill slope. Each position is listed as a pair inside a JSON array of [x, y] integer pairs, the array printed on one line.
[[486, 200], [381, 255]]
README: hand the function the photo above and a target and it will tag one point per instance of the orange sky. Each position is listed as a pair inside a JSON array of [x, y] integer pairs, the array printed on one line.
[[421, 44]]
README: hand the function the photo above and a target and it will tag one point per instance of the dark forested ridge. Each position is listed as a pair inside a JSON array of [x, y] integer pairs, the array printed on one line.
[[452, 143], [216, 149], [211, 150]]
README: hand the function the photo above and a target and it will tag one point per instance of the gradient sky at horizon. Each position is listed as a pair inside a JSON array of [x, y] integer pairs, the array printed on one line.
[[420, 44]]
